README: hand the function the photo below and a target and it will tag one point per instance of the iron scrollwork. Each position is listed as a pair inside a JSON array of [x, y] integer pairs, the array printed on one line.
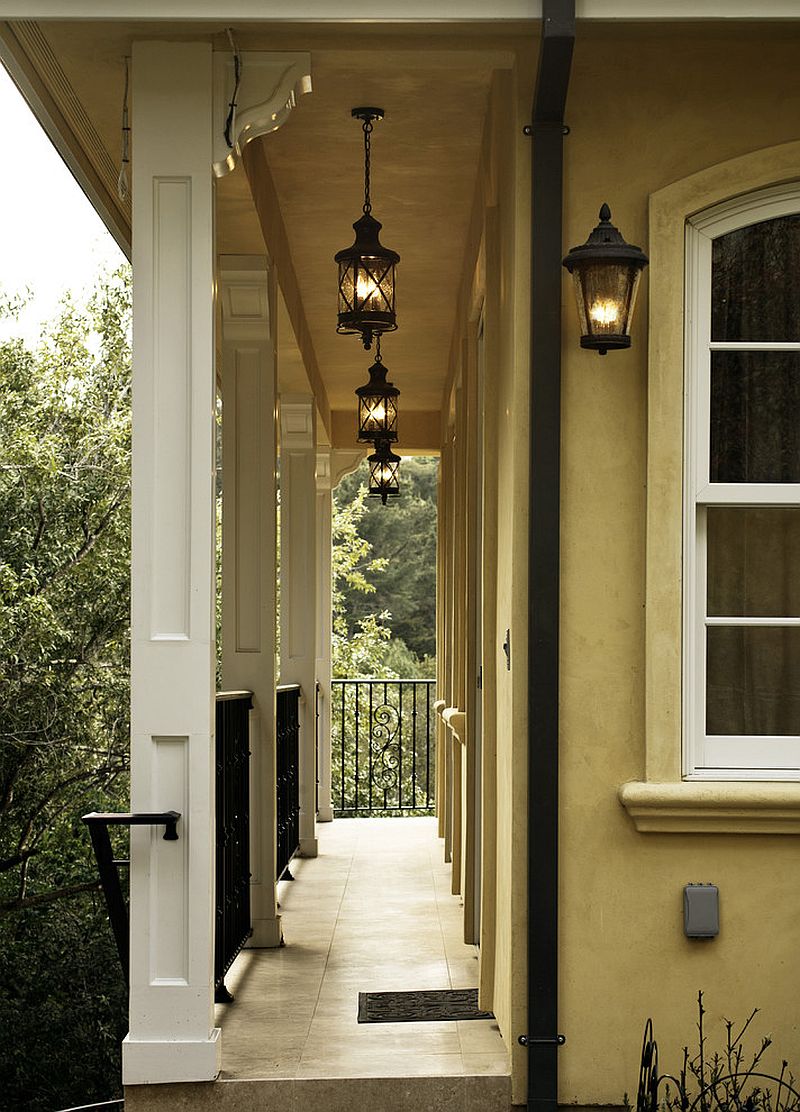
[[385, 746]]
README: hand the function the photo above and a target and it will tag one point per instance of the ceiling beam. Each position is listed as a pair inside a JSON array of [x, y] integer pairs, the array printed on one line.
[[416, 11]]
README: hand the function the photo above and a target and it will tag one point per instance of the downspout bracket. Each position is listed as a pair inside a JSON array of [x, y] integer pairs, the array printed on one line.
[[539, 1040], [529, 128]]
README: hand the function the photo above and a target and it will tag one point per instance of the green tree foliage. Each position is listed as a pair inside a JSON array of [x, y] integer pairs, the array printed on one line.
[[358, 647], [64, 612], [402, 535], [389, 743]]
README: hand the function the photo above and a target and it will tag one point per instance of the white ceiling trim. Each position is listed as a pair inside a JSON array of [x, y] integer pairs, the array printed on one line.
[[416, 11]]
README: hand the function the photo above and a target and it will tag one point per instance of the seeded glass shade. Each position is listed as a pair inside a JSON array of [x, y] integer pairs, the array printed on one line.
[[384, 472], [377, 406], [605, 272], [367, 283]]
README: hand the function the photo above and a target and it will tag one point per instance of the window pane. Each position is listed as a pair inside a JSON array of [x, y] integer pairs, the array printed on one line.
[[753, 678], [755, 417], [755, 284], [753, 562]]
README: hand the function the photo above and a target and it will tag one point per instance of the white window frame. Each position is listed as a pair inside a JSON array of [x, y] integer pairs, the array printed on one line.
[[724, 757]]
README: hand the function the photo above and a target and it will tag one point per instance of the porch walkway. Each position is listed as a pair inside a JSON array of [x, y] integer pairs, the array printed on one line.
[[372, 912]]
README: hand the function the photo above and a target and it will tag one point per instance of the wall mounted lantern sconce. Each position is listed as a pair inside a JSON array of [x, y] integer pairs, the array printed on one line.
[[377, 404], [384, 472], [606, 272], [367, 269]]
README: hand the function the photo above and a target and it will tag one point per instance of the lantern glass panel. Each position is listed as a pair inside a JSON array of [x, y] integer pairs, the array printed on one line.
[[366, 289], [384, 475], [606, 296], [377, 417]]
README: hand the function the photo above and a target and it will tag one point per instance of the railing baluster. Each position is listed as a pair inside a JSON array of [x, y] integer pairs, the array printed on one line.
[[355, 793], [428, 693], [400, 746], [371, 766], [342, 736], [414, 746]]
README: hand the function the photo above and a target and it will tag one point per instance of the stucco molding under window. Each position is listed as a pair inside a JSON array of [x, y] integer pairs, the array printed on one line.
[[671, 802]]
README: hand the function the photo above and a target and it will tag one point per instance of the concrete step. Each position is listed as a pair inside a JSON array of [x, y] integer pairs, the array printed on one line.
[[484, 1093]]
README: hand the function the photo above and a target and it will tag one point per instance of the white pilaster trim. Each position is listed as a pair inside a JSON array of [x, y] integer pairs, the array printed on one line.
[[270, 85], [247, 291], [299, 588], [324, 631], [172, 1035]]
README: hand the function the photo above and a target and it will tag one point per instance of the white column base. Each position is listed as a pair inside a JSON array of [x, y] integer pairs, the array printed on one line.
[[267, 934], [325, 813], [154, 1063], [309, 847]]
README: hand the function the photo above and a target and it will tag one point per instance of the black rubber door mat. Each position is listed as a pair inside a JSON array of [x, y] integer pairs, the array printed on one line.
[[425, 1006]]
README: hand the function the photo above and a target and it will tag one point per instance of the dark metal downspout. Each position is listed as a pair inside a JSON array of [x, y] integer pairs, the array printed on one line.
[[555, 58]]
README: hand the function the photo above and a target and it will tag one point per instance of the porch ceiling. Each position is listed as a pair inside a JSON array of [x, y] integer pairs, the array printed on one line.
[[434, 89]]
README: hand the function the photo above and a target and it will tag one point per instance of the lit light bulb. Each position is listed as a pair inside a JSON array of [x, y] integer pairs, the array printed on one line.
[[367, 289], [379, 414], [604, 312]]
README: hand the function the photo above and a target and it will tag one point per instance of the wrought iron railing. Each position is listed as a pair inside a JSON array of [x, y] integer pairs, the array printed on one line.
[[108, 867], [287, 737], [233, 925], [382, 746]]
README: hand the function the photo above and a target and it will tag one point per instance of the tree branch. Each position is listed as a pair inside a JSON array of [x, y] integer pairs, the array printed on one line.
[[49, 897], [88, 544], [7, 863], [40, 527]]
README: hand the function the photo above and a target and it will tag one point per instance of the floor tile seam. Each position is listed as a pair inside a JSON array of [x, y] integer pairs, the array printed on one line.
[[353, 852], [439, 845]]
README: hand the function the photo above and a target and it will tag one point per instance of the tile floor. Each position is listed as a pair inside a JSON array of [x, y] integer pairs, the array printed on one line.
[[373, 912]]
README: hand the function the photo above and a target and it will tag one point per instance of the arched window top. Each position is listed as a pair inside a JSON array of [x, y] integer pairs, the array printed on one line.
[[742, 490], [755, 281]]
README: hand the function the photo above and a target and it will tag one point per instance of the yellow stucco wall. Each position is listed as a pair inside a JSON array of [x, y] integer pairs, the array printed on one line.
[[647, 107]]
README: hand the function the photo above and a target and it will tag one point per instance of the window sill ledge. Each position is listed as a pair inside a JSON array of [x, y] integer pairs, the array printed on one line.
[[696, 807]]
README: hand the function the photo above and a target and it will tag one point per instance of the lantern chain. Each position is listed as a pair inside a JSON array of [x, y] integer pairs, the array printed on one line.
[[378, 357], [367, 150]]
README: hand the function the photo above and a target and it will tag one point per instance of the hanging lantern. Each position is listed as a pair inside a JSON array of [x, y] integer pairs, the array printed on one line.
[[377, 404], [606, 272], [384, 472], [367, 269]]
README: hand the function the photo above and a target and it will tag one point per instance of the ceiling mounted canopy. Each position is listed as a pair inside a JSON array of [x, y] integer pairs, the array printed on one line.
[[377, 404], [384, 472], [367, 268], [606, 272]]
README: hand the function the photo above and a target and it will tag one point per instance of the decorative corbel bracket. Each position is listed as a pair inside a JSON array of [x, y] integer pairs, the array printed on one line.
[[270, 85]]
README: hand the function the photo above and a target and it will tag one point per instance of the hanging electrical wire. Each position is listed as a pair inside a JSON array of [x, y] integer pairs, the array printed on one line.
[[123, 185], [237, 77]]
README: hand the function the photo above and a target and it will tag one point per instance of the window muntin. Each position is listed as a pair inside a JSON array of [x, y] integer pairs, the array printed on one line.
[[742, 598]]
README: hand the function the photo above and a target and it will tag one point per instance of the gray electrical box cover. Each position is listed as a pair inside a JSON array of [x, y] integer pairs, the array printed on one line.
[[701, 910]]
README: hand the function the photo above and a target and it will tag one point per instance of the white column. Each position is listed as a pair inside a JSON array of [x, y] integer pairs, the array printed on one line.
[[299, 589], [324, 624], [249, 538], [172, 1035]]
